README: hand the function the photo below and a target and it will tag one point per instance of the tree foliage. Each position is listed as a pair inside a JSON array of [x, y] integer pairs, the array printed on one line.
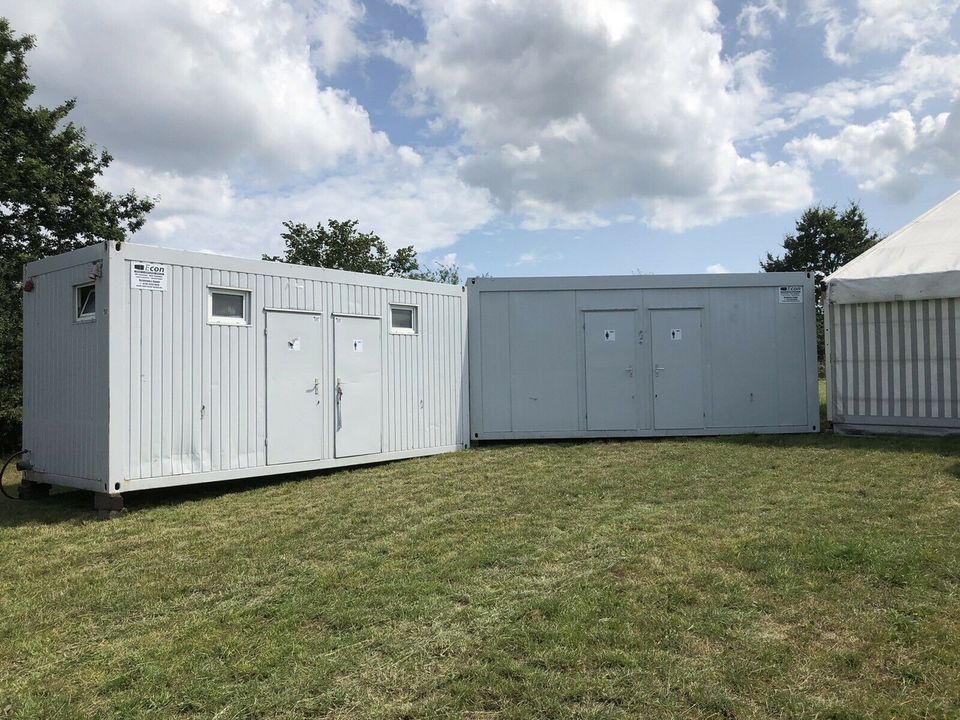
[[825, 240], [49, 204], [341, 246]]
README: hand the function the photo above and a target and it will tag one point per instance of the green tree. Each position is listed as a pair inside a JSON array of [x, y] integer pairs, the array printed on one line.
[[49, 204], [449, 274], [340, 246], [825, 240]]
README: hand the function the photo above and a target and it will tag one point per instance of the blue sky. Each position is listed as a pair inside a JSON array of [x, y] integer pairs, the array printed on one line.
[[520, 137]]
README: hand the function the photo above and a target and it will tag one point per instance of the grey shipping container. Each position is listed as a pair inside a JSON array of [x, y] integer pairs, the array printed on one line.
[[147, 367], [642, 355]]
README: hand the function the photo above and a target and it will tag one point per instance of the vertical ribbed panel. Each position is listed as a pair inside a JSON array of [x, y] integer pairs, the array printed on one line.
[[197, 390], [64, 362], [895, 360]]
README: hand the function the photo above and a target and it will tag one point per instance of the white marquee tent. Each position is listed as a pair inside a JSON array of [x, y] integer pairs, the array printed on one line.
[[892, 319]]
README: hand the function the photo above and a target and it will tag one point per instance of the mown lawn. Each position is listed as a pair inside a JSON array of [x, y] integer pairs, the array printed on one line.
[[806, 576]]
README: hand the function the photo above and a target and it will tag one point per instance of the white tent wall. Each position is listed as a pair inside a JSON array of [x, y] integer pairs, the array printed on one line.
[[891, 326], [184, 399], [920, 261], [894, 365]]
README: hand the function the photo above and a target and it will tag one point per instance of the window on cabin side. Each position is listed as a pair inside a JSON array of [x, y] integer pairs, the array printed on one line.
[[86, 297], [403, 320]]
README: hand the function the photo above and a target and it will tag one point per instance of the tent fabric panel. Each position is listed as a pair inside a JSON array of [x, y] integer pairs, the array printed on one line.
[[895, 360]]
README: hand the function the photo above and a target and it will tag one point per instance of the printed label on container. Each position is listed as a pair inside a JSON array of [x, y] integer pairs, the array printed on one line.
[[791, 293], [676, 334], [148, 276], [610, 335], [358, 345]]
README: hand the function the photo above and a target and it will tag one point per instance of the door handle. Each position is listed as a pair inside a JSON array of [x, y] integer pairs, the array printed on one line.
[[657, 369], [630, 371], [339, 390], [316, 386]]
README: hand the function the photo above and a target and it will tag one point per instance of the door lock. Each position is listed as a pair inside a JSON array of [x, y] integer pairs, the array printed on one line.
[[657, 369], [630, 371], [316, 386]]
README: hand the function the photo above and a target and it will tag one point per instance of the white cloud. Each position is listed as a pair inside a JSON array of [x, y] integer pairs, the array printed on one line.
[[331, 26], [917, 79], [889, 154], [879, 25], [428, 206], [755, 18], [750, 186], [216, 107], [717, 269], [568, 108], [195, 86]]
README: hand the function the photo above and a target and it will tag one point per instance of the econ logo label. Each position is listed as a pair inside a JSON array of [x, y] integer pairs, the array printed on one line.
[[148, 276]]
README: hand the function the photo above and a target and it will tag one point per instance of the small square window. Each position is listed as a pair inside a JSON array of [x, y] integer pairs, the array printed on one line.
[[403, 320], [86, 302], [229, 307]]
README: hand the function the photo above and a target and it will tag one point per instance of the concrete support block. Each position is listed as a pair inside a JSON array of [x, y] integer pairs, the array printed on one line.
[[30, 490], [108, 506]]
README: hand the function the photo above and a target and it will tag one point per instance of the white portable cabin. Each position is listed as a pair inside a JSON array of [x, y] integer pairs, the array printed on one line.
[[642, 355], [892, 324], [147, 367]]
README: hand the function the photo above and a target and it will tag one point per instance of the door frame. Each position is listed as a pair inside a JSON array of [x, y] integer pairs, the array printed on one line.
[[333, 375], [703, 353], [266, 370], [638, 341]]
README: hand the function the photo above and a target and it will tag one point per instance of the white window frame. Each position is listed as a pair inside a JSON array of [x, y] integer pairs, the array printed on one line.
[[87, 317], [220, 320], [414, 320]]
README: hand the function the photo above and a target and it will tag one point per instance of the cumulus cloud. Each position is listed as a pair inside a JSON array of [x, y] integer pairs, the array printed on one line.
[[879, 25], [427, 206], [755, 18], [716, 269], [568, 108], [917, 78], [202, 85], [890, 154]]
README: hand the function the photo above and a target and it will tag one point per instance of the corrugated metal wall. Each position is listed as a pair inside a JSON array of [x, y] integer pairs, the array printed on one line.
[[528, 365], [64, 378], [197, 391], [895, 360]]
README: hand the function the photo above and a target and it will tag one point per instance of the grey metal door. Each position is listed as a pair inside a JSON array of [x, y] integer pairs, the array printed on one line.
[[358, 406], [677, 369], [294, 401], [610, 344]]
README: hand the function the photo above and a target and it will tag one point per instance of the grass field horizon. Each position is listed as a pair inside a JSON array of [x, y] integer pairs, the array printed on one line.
[[787, 576]]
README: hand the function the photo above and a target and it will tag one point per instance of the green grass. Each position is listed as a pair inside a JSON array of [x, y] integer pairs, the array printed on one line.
[[803, 576]]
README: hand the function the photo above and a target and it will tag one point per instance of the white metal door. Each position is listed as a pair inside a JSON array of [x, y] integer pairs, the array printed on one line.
[[294, 401], [358, 406], [610, 344], [677, 369]]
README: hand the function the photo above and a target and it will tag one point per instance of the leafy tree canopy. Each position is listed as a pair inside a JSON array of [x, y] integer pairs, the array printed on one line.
[[49, 203], [825, 239], [341, 246]]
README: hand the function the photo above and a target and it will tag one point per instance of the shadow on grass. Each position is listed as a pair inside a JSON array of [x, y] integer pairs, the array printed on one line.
[[65, 505]]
